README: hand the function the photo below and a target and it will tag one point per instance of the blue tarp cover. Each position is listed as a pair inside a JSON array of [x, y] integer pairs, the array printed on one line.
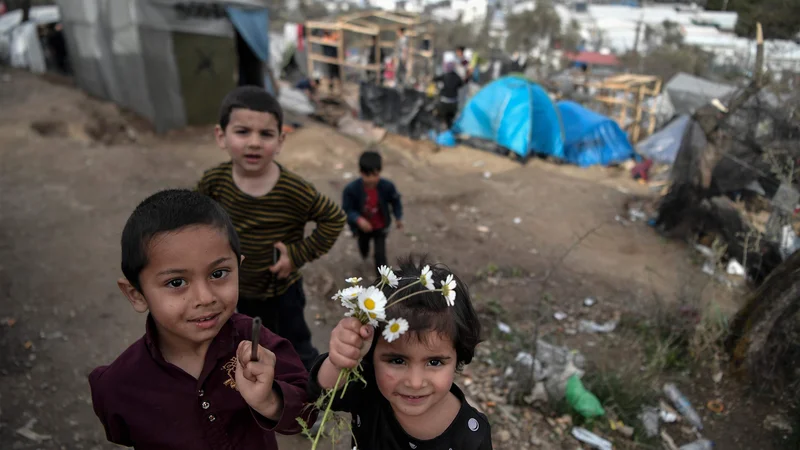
[[253, 26], [592, 138], [662, 147], [516, 114]]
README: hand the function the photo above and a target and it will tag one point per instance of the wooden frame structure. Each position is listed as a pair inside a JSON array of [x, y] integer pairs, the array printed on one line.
[[369, 24], [629, 92]]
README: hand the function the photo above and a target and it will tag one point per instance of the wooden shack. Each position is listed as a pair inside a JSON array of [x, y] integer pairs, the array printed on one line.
[[626, 98], [371, 30]]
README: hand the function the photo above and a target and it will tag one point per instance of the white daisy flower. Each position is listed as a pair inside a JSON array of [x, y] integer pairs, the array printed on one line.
[[426, 278], [394, 329], [387, 276], [449, 290], [354, 280], [373, 303], [349, 296]]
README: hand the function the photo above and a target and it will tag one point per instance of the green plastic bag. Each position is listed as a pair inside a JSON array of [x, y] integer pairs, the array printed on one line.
[[582, 400]]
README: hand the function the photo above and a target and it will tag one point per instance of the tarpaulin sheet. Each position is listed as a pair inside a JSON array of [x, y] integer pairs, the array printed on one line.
[[592, 138], [407, 112]]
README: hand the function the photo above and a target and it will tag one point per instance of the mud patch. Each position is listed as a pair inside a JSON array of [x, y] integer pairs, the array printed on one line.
[[50, 128]]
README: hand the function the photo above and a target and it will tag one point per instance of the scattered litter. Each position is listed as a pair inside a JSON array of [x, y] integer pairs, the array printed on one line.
[[734, 268], [9, 322], [27, 432], [669, 443], [777, 422], [700, 444], [588, 301], [533, 251], [581, 400], [705, 251], [560, 316], [717, 377], [636, 214], [478, 163], [504, 327], [708, 268], [483, 228], [347, 175], [789, 241], [28, 345], [524, 358], [593, 440], [338, 166], [517, 220], [487, 175], [683, 405], [54, 335], [715, 406], [650, 420], [590, 326], [667, 416]]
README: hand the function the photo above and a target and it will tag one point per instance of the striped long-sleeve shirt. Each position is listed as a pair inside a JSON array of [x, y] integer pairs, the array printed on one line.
[[279, 216]]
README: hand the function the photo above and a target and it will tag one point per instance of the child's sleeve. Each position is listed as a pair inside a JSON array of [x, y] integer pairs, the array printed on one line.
[[116, 429], [291, 381], [350, 205], [397, 204], [204, 185], [329, 218]]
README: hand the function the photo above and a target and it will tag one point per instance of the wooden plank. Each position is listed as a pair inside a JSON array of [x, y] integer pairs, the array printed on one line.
[[330, 60], [322, 41], [396, 18], [613, 100], [372, 31], [319, 25]]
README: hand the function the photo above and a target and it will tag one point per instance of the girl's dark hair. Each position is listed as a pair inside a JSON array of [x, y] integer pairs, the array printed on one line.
[[429, 312], [165, 211]]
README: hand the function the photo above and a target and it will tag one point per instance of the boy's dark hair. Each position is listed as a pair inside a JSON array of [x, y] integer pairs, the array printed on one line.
[[164, 211], [370, 162], [429, 312], [461, 49], [402, 30], [253, 98]]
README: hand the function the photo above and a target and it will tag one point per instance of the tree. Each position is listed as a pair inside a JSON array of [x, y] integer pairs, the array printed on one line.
[[572, 37], [780, 18], [527, 29]]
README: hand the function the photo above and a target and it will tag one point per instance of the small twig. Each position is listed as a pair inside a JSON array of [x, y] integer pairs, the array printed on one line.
[[537, 320]]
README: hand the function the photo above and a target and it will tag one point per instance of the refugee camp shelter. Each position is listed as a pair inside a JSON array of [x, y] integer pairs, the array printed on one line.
[[372, 31], [517, 114], [171, 61], [663, 146], [686, 93], [591, 138]]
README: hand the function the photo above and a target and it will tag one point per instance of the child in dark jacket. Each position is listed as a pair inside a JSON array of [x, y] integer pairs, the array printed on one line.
[[369, 203]]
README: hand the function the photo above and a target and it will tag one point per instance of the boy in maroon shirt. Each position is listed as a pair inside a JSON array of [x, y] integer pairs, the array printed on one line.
[[369, 203], [191, 382]]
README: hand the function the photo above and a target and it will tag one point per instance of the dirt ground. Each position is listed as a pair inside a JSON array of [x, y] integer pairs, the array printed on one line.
[[66, 190]]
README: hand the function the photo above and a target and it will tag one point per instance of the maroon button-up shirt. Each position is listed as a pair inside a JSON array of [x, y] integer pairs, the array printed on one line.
[[147, 403]]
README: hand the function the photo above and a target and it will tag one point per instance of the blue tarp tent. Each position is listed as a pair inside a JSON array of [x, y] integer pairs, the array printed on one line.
[[592, 138], [516, 114]]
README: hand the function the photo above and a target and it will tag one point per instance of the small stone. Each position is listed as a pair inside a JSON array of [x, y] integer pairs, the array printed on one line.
[[717, 377], [503, 435], [536, 441]]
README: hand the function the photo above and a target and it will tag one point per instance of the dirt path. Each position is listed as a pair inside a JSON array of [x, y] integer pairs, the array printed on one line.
[[64, 199]]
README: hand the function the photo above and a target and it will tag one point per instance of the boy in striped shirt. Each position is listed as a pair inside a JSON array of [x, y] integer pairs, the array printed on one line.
[[270, 207]]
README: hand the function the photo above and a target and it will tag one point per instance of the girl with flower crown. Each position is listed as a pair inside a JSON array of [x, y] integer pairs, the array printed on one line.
[[406, 353]]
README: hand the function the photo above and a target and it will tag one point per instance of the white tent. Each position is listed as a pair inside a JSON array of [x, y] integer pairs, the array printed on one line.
[[170, 61]]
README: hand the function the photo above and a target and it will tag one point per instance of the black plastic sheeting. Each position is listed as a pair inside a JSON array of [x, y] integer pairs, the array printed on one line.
[[407, 112]]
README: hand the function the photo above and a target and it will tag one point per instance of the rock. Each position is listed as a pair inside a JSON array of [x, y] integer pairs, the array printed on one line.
[[536, 441], [503, 435]]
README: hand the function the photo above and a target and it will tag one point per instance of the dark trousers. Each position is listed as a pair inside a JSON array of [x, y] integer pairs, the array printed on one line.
[[447, 113], [379, 236], [283, 315]]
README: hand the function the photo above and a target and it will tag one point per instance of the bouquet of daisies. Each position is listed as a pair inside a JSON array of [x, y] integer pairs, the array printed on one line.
[[369, 305]]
